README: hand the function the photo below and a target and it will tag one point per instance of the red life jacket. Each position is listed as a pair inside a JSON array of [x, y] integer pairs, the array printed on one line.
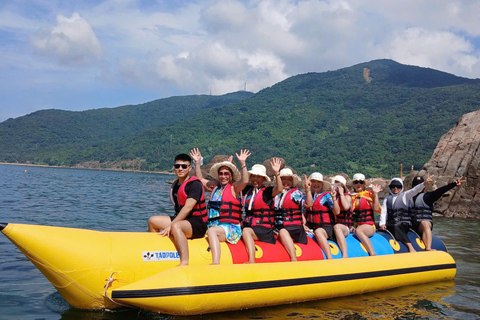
[[319, 215], [262, 213], [230, 208], [345, 216], [363, 214], [199, 210], [291, 212]]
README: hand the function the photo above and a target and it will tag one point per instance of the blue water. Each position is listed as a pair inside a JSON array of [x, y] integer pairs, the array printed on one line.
[[123, 201]]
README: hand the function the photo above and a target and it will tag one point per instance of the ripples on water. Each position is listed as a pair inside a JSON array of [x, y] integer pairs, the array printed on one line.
[[123, 201]]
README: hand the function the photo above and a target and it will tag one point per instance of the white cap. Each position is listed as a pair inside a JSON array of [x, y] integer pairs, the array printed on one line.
[[340, 179], [358, 177]]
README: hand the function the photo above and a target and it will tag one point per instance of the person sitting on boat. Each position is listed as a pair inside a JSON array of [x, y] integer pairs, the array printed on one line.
[[190, 220], [258, 204], [321, 209], [395, 214], [224, 207], [289, 219], [365, 204], [344, 223], [421, 208]]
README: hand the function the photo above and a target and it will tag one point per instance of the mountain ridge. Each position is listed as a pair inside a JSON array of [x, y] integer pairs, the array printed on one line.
[[334, 121]]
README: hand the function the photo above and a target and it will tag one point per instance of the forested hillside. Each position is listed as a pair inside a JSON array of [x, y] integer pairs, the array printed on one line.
[[369, 117]]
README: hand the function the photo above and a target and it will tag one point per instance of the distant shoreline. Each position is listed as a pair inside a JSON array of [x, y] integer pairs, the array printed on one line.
[[99, 169]]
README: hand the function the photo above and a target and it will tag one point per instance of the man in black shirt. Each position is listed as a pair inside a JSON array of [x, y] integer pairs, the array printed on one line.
[[190, 220]]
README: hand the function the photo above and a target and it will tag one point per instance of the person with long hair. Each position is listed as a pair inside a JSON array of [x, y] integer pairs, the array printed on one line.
[[224, 207]]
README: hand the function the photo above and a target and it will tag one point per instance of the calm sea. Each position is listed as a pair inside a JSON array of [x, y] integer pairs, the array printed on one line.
[[123, 201]]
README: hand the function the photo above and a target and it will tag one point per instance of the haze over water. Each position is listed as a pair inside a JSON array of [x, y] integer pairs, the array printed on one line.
[[123, 201]]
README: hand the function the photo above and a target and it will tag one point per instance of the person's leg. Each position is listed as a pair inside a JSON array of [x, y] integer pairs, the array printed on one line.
[[180, 231], [341, 232], [249, 237], [287, 242], [364, 232], [157, 223], [215, 235], [401, 231], [322, 237], [425, 229]]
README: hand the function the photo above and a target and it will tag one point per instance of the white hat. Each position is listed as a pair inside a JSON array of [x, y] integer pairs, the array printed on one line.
[[214, 170], [287, 172], [259, 170], [340, 179], [316, 176], [358, 177]]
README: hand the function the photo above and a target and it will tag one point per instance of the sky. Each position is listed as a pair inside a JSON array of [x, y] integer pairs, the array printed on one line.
[[80, 55]]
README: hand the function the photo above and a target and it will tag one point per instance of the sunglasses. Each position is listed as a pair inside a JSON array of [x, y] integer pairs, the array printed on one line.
[[177, 166], [358, 182], [223, 174], [393, 187]]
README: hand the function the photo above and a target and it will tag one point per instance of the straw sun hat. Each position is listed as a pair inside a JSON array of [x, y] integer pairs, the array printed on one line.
[[287, 172], [214, 170]]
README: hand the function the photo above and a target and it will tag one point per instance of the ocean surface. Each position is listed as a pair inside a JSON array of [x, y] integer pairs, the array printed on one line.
[[123, 201]]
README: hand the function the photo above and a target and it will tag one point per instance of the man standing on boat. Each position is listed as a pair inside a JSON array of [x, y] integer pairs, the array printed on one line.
[[190, 220]]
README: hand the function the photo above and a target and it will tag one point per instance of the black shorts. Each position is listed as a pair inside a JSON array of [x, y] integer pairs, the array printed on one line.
[[297, 233], [264, 234], [199, 227], [328, 230]]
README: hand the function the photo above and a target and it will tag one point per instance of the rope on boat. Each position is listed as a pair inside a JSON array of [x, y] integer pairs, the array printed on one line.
[[386, 230], [109, 282]]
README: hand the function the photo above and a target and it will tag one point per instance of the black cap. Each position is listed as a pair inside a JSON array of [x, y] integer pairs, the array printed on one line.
[[417, 180], [2, 226]]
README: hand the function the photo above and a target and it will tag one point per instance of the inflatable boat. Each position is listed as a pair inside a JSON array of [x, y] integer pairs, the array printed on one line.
[[98, 269]]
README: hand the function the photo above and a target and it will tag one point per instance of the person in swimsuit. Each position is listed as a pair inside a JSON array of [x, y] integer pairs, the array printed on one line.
[[224, 206]]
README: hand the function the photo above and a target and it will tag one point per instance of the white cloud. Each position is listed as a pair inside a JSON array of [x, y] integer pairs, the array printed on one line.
[[71, 42], [435, 49], [189, 47]]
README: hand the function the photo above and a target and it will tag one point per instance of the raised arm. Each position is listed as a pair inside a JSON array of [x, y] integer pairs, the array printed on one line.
[[276, 164], [307, 184], [242, 158], [345, 199], [334, 195], [376, 188], [197, 157]]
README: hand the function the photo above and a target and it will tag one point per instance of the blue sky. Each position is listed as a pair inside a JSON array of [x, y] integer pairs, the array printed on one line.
[[79, 55]]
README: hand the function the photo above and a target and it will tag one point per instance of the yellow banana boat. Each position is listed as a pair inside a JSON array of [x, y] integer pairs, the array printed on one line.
[[95, 269]]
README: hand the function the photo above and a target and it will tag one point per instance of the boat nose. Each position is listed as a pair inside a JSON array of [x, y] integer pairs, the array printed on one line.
[[2, 226]]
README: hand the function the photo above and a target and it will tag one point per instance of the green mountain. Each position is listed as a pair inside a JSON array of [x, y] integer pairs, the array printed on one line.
[[366, 118]]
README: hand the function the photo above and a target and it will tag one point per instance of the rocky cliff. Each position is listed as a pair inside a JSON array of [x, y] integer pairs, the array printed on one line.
[[457, 154]]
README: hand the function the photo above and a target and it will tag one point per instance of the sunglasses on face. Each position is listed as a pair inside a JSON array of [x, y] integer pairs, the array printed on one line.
[[177, 166], [223, 174], [397, 187], [358, 182]]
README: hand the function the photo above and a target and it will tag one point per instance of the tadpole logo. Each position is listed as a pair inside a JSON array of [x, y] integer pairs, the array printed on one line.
[[160, 255], [148, 256]]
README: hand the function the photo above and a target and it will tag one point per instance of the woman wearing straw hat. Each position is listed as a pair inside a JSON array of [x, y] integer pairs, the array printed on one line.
[[365, 204], [258, 204], [224, 207], [344, 223], [322, 207], [289, 213]]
